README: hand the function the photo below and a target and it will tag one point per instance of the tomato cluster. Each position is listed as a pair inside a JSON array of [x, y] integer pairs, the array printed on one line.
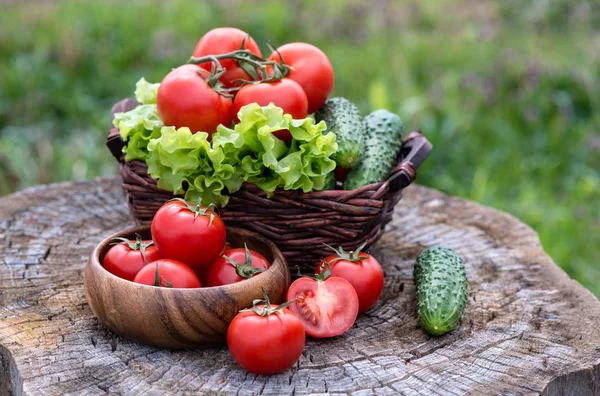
[[227, 72], [326, 305], [188, 250]]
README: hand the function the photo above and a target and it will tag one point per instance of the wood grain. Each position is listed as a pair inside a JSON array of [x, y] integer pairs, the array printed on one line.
[[528, 328], [180, 318]]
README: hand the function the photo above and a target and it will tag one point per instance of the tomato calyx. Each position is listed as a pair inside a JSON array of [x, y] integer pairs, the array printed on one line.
[[351, 256], [245, 270], [266, 308], [158, 278], [197, 209], [137, 245], [321, 276]]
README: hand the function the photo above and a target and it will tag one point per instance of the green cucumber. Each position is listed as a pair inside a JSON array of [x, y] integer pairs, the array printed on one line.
[[343, 118], [441, 282], [382, 147]]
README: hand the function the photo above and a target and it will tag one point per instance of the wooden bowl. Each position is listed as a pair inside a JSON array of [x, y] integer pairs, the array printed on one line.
[[175, 317]]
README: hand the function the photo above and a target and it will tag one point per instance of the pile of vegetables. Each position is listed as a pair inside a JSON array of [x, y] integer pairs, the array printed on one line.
[[324, 305], [229, 116]]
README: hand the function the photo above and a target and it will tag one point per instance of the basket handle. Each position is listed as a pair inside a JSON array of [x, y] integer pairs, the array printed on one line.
[[113, 141], [415, 149]]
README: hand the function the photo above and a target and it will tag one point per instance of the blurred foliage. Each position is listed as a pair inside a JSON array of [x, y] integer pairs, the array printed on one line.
[[508, 92]]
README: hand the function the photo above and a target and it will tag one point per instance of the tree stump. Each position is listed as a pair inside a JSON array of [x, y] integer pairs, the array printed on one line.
[[527, 329]]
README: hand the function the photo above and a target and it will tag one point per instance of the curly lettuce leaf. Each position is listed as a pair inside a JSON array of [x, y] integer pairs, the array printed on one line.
[[210, 171], [146, 92]]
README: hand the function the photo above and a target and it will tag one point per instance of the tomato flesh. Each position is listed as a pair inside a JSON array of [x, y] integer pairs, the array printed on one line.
[[326, 308], [366, 276]]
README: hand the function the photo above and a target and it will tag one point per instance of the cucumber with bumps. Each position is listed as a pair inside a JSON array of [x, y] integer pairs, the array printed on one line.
[[343, 118], [382, 146], [441, 282]]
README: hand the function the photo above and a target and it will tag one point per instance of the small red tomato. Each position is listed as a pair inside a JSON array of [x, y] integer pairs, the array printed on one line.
[[327, 306], [362, 270], [185, 99], [221, 41], [202, 272], [236, 265], [167, 273], [192, 234], [127, 258], [309, 67], [267, 339]]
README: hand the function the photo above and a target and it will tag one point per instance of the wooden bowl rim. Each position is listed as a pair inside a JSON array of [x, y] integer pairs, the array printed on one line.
[[278, 259]]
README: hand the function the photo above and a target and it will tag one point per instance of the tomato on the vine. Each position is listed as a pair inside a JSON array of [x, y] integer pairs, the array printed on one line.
[[192, 234], [284, 93], [221, 41], [266, 339], [236, 265], [167, 273], [127, 258], [309, 67], [186, 98], [328, 306], [362, 270]]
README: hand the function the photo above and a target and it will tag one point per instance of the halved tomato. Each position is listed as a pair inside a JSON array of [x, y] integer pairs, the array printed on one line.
[[326, 306]]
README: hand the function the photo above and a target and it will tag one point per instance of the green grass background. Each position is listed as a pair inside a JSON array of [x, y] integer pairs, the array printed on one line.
[[508, 92]]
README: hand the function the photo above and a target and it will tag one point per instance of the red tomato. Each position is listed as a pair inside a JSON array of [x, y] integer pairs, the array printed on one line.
[[221, 41], [326, 307], [310, 68], [266, 343], [362, 271], [284, 93], [236, 265], [202, 272], [185, 99], [192, 234], [167, 273], [127, 258]]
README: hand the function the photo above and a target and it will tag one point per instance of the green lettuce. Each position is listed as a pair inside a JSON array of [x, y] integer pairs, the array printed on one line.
[[210, 171]]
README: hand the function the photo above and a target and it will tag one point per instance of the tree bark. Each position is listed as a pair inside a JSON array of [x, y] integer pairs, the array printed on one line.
[[527, 328]]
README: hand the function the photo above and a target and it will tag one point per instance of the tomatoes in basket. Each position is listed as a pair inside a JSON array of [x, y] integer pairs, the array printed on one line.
[[328, 306], [126, 258], [266, 339], [284, 93], [309, 67], [221, 41], [167, 273], [192, 234], [185, 99], [363, 272], [236, 265]]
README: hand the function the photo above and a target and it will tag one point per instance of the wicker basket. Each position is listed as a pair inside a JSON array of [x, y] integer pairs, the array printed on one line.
[[299, 223]]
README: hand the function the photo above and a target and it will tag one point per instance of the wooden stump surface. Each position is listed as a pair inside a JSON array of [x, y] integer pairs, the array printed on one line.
[[527, 329]]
